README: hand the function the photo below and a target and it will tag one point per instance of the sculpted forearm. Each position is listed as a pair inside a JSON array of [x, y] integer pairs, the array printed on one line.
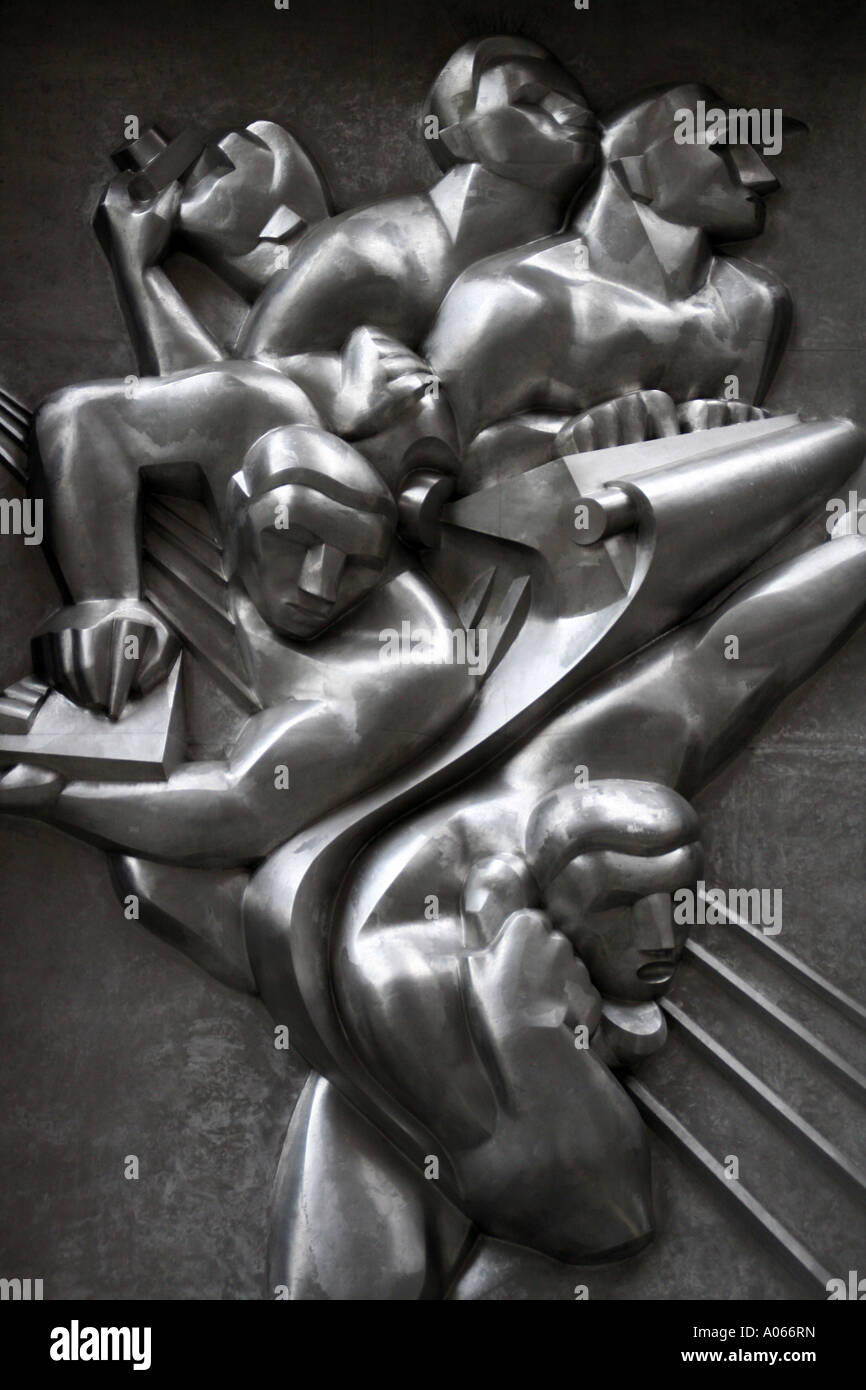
[[135, 235], [218, 814], [341, 276], [319, 375], [200, 817], [686, 704], [302, 308], [401, 993], [165, 333], [90, 487]]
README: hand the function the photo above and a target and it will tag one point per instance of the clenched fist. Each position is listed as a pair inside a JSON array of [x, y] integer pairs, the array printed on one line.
[[98, 652], [626, 419], [380, 379]]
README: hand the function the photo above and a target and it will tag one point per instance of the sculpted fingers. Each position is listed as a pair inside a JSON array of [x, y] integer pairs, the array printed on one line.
[[692, 415], [627, 419], [632, 418], [711, 414], [128, 640], [410, 387], [597, 428], [98, 652], [662, 415], [138, 232], [66, 669], [381, 378], [608, 423], [530, 971], [24, 788], [159, 652], [574, 437], [739, 411], [89, 645]]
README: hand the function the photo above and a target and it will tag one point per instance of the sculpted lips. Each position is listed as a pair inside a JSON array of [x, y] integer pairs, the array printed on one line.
[[313, 609], [658, 971]]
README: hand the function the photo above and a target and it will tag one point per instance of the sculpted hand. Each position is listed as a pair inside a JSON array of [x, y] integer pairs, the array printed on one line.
[[131, 232], [709, 414], [625, 420], [530, 975], [380, 379], [628, 1033], [27, 789], [98, 652]]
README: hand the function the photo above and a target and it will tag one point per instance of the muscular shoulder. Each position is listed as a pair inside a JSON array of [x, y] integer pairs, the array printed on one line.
[[493, 299], [765, 289], [375, 225]]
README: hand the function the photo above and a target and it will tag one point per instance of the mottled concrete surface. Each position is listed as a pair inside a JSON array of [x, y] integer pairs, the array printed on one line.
[[113, 1046]]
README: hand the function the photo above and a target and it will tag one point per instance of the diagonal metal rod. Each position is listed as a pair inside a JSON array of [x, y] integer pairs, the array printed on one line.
[[797, 1258], [10, 406], [834, 1061], [812, 979], [766, 1098]]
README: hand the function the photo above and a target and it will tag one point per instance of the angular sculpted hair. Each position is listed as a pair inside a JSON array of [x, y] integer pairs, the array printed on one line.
[[638, 818], [311, 457]]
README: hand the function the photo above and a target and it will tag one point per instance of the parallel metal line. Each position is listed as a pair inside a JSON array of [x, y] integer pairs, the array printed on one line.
[[831, 1059], [765, 1098], [186, 538], [218, 662], [163, 550], [13, 458], [13, 407], [15, 430], [187, 582], [812, 979], [794, 1255]]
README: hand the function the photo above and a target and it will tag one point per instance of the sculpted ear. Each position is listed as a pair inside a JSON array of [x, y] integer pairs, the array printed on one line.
[[455, 139], [237, 498], [281, 224], [633, 169]]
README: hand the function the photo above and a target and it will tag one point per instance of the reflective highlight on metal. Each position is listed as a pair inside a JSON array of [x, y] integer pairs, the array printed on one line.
[[456, 514]]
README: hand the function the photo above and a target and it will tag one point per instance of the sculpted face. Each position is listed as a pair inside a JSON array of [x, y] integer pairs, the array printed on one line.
[[718, 187], [617, 910], [530, 122], [310, 528], [227, 195], [674, 153], [508, 105], [305, 560]]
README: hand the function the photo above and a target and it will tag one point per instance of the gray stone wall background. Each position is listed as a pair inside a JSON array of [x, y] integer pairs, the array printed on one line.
[[110, 1044]]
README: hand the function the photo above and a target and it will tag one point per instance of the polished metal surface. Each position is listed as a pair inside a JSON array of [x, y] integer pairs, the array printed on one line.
[[469, 505]]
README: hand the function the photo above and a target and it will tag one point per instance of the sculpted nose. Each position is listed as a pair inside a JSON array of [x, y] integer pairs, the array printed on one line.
[[212, 159], [752, 171], [656, 919], [569, 114], [321, 571]]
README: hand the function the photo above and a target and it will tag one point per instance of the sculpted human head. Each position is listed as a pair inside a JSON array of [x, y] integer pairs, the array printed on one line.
[[711, 181], [509, 105], [608, 858], [250, 185], [310, 528]]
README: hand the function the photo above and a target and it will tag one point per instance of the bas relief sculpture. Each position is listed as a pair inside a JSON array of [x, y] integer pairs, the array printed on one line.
[[519, 415]]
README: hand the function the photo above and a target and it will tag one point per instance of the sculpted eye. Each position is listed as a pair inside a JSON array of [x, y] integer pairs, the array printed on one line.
[[213, 161], [532, 94], [723, 152]]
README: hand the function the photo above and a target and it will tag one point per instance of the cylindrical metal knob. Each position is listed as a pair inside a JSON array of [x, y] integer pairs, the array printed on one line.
[[421, 499], [601, 515], [158, 161]]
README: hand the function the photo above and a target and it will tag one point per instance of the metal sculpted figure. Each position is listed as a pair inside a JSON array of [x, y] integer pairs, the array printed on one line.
[[635, 263], [456, 500]]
